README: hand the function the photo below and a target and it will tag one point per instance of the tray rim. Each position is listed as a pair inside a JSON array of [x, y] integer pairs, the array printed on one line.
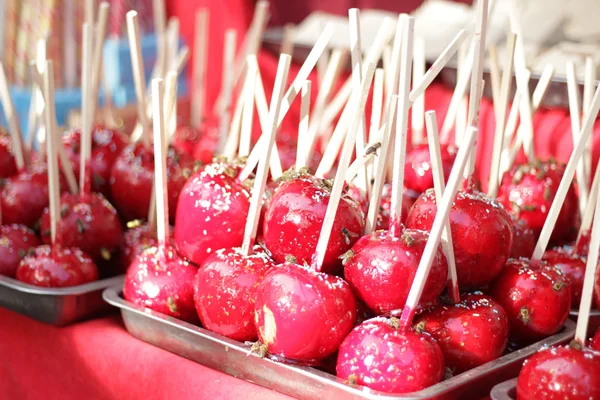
[[499, 392], [112, 295], [89, 287]]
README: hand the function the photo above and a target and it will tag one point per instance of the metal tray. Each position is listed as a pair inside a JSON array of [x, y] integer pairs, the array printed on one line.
[[593, 322], [505, 390], [234, 358], [56, 306]]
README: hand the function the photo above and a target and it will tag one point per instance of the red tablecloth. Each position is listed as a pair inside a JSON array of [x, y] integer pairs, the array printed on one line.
[[99, 360]]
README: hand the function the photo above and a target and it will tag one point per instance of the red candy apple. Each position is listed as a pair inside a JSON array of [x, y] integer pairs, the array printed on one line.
[[207, 144], [382, 357], [16, 241], [481, 233], [24, 196], [381, 269], [560, 373], [106, 147], [383, 218], [225, 289], [212, 212], [417, 167], [186, 139], [536, 298], [571, 265], [470, 333], [137, 239], [595, 342], [294, 217], [164, 282], [53, 266], [528, 190], [8, 165], [301, 314], [89, 222], [524, 239], [132, 178]]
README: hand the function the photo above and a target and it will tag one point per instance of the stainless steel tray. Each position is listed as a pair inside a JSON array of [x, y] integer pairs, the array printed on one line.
[[234, 358], [505, 390], [593, 322], [56, 306]]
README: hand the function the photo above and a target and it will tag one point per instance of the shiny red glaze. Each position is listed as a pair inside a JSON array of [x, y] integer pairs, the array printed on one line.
[[294, 218], [572, 266], [49, 266], [524, 239], [8, 165], [186, 139], [559, 373], [595, 341], [225, 290], [381, 269], [211, 213], [382, 357], [136, 240], [132, 177], [16, 241], [383, 218], [24, 196], [481, 233], [417, 166], [88, 222], [301, 314], [161, 280], [470, 333], [106, 147], [528, 191], [536, 298]]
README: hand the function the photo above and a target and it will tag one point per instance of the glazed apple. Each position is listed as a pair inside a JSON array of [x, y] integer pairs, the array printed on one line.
[[301, 314], [161, 280], [54, 266], [379, 355], [225, 289], [481, 234], [417, 166], [137, 238], [528, 191], [560, 373], [16, 241], [106, 147], [294, 217], [132, 177], [470, 333], [25, 196], [208, 143], [381, 269], [536, 298], [89, 222], [571, 265], [8, 165], [595, 342], [211, 212], [186, 139], [524, 239]]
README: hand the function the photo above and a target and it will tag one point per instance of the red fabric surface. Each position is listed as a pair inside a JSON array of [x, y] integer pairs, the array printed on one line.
[[98, 360]]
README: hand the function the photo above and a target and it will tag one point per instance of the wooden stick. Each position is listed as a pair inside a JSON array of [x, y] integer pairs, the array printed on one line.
[[172, 38], [227, 84], [13, 120], [386, 58], [50, 122], [505, 87], [587, 292], [588, 93], [36, 109], [588, 216], [287, 43], [199, 73], [158, 10], [40, 59], [377, 101], [509, 154], [98, 50], [248, 111], [359, 100], [367, 155], [160, 167], [170, 106], [88, 12], [575, 113], [86, 106], [565, 182], [395, 229], [335, 143], [133, 33], [261, 176], [443, 211], [356, 59], [439, 186], [302, 153], [380, 172], [233, 136], [418, 108], [495, 77], [336, 63], [333, 108]]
